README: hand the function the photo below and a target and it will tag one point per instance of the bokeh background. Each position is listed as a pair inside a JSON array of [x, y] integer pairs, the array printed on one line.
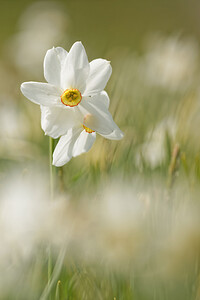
[[125, 219]]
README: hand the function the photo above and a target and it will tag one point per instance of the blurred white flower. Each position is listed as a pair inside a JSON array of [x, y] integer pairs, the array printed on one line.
[[153, 152], [29, 222], [42, 25], [118, 223], [27, 216], [131, 226], [13, 123], [21, 211], [120, 208], [15, 131], [171, 62]]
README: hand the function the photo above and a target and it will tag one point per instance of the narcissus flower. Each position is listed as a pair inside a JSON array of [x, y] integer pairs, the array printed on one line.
[[74, 87], [80, 138]]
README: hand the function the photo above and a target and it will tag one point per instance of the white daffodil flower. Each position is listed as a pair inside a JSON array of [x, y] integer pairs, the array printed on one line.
[[74, 86], [80, 138]]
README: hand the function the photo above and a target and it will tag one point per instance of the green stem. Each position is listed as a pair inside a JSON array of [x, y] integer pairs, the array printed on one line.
[[51, 198], [49, 267], [58, 290], [51, 168]]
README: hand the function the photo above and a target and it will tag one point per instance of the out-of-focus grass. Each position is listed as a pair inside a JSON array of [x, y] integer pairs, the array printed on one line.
[[127, 212]]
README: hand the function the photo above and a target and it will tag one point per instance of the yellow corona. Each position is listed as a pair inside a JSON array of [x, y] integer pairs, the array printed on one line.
[[88, 130], [71, 97]]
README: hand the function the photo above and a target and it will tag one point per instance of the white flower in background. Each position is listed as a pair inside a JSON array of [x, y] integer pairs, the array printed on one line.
[[80, 138], [75, 88], [22, 212], [13, 123], [154, 149], [41, 25], [171, 62]]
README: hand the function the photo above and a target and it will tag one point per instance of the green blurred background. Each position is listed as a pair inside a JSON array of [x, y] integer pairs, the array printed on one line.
[[127, 210], [111, 23]]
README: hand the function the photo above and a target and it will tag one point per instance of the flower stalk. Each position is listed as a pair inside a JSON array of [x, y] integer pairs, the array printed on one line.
[[51, 199], [51, 144]]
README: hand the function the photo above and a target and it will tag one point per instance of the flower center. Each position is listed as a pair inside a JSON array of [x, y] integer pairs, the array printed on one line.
[[88, 130], [71, 97]]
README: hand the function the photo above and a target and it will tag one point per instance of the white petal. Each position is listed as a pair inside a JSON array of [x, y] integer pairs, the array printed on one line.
[[56, 121], [96, 115], [104, 99], [41, 93], [100, 71], [84, 143], [63, 151], [116, 134], [53, 62], [76, 68]]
